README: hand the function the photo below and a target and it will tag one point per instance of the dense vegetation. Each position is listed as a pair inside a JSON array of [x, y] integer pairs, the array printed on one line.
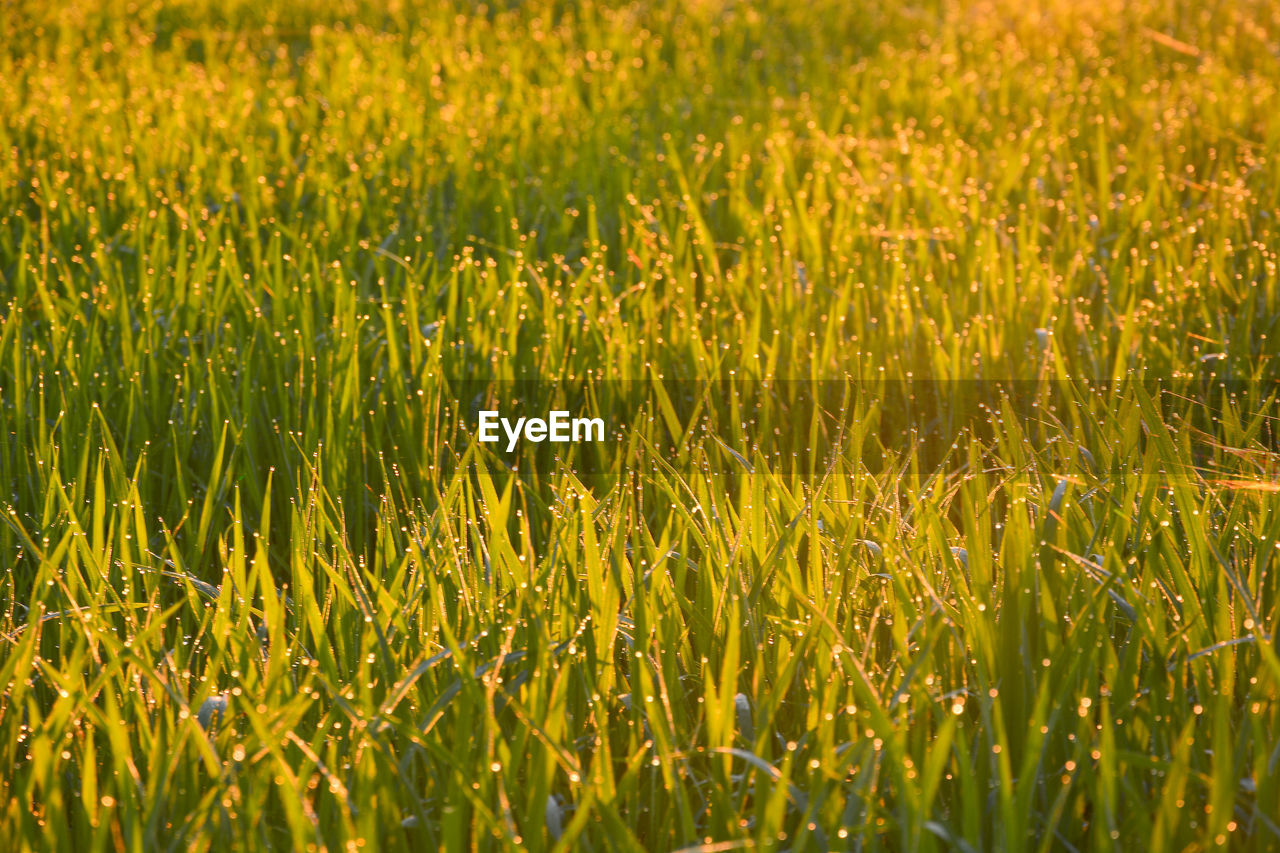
[[987, 560]]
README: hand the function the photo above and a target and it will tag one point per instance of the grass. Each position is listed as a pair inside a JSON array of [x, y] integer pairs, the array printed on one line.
[[975, 549]]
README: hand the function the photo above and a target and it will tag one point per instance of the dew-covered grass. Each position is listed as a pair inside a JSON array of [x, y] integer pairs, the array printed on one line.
[[261, 590]]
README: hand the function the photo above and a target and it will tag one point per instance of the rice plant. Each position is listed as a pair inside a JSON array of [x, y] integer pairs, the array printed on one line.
[[937, 500]]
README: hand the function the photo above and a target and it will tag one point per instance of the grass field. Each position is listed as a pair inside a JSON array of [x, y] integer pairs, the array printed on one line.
[[940, 503]]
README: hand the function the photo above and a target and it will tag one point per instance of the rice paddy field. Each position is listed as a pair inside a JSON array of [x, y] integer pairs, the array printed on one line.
[[935, 340]]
